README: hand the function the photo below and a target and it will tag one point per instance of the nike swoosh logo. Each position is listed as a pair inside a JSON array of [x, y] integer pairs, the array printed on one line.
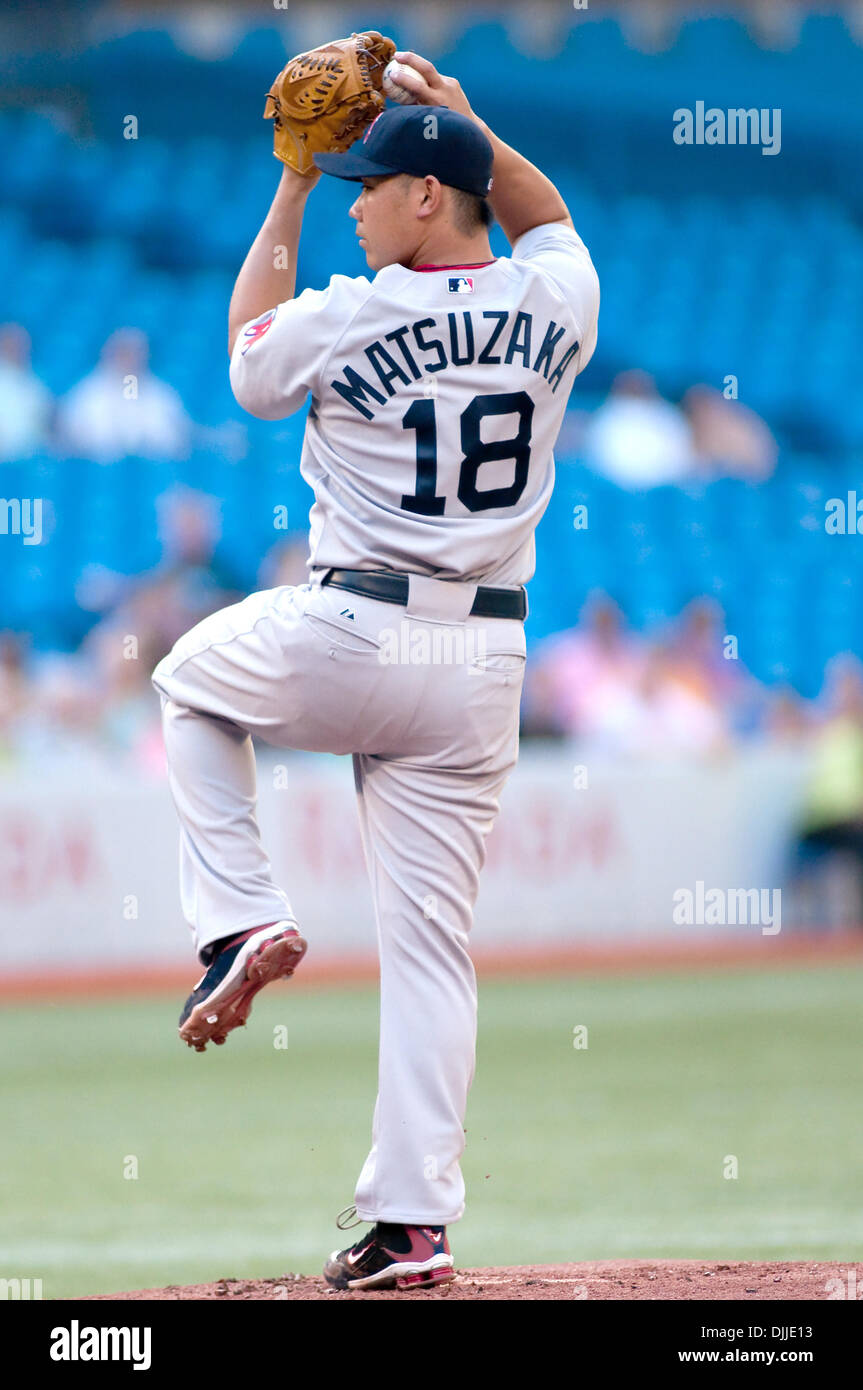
[[353, 1259]]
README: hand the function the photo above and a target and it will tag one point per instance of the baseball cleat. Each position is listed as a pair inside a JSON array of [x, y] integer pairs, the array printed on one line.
[[222, 998], [392, 1256]]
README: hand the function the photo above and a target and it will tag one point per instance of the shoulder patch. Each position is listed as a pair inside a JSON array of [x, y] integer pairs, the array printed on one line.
[[257, 330]]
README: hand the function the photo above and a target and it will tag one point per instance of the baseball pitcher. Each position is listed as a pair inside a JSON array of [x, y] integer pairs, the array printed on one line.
[[438, 384]]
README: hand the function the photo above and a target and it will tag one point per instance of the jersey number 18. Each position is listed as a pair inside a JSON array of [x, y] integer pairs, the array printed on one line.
[[421, 417]]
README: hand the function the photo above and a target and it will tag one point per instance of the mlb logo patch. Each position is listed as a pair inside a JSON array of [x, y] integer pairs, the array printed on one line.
[[460, 284]]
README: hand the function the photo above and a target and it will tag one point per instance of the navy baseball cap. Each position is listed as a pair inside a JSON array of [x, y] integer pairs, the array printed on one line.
[[406, 140]]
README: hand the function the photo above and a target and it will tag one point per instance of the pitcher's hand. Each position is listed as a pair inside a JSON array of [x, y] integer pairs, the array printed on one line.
[[428, 87]]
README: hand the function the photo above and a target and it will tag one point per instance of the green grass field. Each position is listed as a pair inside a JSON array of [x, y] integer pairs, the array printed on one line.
[[245, 1154]]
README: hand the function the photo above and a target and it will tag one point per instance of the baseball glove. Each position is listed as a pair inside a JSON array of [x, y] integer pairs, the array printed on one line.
[[324, 100]]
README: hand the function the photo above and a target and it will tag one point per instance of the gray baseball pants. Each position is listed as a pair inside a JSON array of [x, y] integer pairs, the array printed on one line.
[[426, 700]]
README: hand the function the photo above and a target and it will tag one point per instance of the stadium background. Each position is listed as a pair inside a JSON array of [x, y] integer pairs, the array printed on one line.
[[738, 766]]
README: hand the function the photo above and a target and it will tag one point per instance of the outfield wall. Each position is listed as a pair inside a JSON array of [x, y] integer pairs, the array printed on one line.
[[88, 861]]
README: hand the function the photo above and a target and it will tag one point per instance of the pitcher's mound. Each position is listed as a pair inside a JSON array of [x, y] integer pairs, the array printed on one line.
[[598, 1279]]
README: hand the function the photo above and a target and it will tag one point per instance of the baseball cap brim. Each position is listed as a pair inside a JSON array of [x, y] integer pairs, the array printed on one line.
[[352, 165]]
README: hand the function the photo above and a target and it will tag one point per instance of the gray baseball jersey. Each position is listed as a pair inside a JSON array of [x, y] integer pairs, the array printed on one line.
[[437, 397]]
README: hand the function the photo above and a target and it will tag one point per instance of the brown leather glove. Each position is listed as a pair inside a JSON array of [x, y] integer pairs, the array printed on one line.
[[325, 99]]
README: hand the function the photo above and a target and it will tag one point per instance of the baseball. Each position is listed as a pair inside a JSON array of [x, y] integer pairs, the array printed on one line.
[[392, 89]]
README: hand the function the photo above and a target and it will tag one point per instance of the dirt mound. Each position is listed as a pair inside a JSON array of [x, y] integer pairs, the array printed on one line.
[[599, 1279]]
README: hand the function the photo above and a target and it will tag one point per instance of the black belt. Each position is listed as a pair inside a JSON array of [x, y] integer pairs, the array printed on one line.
[[393, 588]]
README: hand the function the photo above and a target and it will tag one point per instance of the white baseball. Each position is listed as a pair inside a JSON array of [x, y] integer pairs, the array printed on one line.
[[392, 89]]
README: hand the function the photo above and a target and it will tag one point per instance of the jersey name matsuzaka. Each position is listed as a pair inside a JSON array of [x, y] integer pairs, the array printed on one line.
[[499, 339], [429, 441]]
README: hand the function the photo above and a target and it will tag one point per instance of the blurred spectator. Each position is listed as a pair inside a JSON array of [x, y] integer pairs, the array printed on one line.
[[575, 672], [705, 661], [833, 820], [63, 714], [190, 579], [789, 718], [604, 685], [14, 694], [663, 715], [729, 439], [637, 438], [130, 715], [285, 563], [122, 408], [25, 403], [188, 583], [99, 700]]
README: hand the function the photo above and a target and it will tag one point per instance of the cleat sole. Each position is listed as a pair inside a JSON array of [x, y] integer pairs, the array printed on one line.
[[275, 959]]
